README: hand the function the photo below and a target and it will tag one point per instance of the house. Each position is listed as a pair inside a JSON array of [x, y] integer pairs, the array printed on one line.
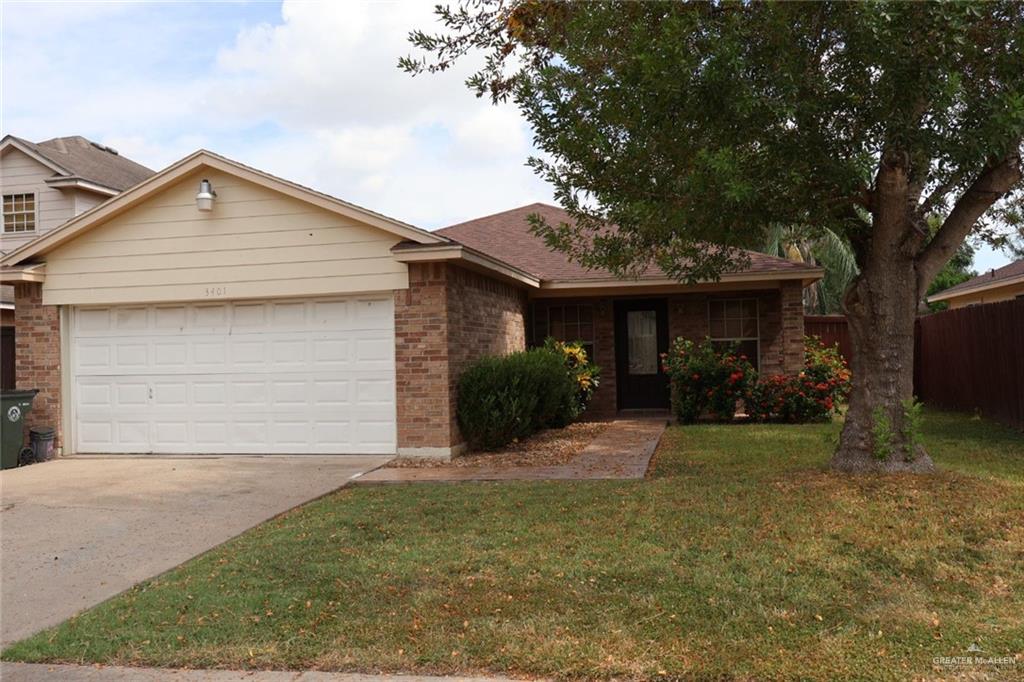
[[1002, 284], [47, 183], [44, 184], [214, 308]]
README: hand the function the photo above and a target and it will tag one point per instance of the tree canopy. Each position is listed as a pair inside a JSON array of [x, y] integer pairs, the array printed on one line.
[[689, 124]]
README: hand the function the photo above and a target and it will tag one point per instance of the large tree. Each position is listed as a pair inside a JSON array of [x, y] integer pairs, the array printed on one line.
[[695, 126]]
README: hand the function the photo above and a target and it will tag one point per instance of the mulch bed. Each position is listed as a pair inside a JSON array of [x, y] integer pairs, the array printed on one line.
[[546, 448]]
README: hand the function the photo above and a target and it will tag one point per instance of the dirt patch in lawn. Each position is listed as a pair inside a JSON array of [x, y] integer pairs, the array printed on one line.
[[546, 448]]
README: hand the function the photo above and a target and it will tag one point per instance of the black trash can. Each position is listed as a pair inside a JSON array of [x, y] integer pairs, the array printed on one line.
[[41, 441], [14, 406]]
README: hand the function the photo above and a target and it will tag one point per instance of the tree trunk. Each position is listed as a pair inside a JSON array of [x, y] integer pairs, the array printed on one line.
[[881, 308], [881, 311]]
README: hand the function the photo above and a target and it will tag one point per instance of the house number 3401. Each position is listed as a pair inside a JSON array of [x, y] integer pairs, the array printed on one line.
[[216, 291]]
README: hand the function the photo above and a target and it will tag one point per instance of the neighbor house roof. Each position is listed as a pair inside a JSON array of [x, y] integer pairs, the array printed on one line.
[[1000, 277], [507, 236], [77, 158]]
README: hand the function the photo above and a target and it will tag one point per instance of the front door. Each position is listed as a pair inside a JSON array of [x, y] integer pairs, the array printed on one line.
[[641, 336]]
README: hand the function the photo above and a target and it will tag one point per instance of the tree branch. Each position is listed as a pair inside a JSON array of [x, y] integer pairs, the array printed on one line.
[[993, 184], [937, 195]]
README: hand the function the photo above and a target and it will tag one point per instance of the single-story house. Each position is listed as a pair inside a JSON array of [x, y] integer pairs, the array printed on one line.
[[214, 308], [1001, 284]]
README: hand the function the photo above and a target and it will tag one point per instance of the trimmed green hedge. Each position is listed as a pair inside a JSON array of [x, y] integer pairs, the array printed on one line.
[[512, 396]]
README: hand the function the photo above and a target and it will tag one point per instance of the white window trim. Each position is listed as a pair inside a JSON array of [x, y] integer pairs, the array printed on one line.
[[35, 212], [757, 320]]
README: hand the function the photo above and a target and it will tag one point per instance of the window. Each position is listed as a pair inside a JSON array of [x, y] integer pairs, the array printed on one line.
[[642, 335], [565, 323], [734, 321], [19, 212]]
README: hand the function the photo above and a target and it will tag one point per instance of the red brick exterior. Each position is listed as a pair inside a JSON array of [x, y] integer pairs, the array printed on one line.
[[447, 318], [780, 323], [37, 362]]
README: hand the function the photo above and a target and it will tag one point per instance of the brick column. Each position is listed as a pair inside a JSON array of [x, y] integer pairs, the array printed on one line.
[[421, 363], [37, 355], [791, 293]]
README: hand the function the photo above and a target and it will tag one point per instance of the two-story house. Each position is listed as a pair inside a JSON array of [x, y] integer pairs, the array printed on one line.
[[45, 184]]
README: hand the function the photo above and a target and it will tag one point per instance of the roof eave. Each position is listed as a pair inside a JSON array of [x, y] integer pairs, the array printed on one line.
[[454, 252], [78, 182], [988, 286], [806, 276], [15, 275]]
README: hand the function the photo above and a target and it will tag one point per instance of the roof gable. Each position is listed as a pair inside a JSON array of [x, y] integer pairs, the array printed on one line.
[[191, 164]]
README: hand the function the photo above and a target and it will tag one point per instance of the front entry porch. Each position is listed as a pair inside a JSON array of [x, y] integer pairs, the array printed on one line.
[[626, 335]]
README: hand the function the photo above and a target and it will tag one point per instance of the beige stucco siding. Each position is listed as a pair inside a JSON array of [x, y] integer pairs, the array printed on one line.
[[256, 243], [20, 174]]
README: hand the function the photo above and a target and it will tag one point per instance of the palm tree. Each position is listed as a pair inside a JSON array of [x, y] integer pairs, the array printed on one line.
[[820, 247]]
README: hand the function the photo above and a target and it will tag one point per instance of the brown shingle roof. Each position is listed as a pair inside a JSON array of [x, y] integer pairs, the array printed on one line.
[[507, 237], [90, 161], [1007, 272]]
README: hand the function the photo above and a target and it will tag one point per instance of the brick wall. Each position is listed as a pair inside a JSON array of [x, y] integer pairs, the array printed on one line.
[[485, 317], [780, 313], [37, 355], [421, 358], [782, 330], [447, 318]]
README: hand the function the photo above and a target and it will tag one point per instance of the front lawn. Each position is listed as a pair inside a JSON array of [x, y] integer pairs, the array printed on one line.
[[741, 557]]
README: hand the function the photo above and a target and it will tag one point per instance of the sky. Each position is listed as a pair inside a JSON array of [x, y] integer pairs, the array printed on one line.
[[307, 90]]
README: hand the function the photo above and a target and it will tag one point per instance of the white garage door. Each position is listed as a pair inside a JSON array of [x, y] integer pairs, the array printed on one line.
[[314, 376]]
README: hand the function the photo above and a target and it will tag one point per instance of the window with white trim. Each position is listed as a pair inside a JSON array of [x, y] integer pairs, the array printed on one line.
[[733, 323], [19, 212]]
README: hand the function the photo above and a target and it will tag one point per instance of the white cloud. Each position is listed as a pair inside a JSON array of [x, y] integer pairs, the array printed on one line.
[[313, 95]]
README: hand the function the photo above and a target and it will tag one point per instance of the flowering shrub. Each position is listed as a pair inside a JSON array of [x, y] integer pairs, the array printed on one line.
[[706, 381], [585, 374], [812, 395]]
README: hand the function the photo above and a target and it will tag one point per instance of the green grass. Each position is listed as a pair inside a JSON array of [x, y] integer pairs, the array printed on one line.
[[741, 557]]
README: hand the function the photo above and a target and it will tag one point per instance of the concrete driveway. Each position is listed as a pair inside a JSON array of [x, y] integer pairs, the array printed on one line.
[[76, 531]]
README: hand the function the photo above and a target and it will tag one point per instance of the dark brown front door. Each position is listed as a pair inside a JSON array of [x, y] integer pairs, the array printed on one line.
[[641, 336]]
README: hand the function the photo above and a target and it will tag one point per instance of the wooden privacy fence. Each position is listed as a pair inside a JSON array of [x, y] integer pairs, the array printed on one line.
[[965, 359], [973, 359], [831, 329]]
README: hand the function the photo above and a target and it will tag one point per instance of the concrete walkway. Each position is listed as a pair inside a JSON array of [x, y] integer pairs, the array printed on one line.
[[30, 672], [76, 531], [621, 451]]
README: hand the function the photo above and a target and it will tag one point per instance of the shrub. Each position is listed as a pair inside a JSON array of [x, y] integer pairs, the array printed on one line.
[[509, 397], [812, 395], [584, 374], [706, 381]]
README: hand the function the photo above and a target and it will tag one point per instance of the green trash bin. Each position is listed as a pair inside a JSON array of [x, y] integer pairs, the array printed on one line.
[[14, 407]]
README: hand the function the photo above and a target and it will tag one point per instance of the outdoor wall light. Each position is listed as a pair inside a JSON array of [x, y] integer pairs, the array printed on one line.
[[206, 195]]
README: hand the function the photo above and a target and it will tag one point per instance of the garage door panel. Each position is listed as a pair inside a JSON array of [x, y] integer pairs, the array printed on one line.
[[242, 377]]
